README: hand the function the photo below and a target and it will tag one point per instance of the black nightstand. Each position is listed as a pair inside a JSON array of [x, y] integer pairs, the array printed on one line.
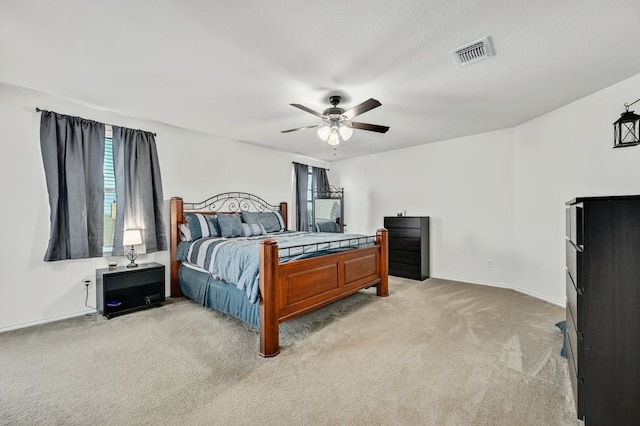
[[122, 290]]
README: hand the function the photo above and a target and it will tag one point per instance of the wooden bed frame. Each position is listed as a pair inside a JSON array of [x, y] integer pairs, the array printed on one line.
[[293, 288]]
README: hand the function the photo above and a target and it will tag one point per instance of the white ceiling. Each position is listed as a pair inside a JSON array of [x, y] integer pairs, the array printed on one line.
[[231, 68]]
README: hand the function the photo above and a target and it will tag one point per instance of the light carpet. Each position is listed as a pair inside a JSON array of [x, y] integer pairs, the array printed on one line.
[[432, 353]]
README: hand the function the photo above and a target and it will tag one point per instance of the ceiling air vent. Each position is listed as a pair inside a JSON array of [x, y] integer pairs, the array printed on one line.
[[472, 52]]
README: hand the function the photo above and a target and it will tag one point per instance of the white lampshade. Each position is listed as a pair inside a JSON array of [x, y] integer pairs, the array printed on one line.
[[324, 132], [334, 138], [132, 237], [345, 132]]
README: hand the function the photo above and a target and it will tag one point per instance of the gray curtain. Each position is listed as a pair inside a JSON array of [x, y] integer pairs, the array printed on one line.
[[138, 189], [320, 179], [72, 151], [302, 182]]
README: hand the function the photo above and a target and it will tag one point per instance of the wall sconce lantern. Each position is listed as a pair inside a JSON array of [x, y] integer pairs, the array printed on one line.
[[626, 129]]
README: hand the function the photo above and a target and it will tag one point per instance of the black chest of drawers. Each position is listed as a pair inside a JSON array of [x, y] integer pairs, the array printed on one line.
[[408, 246], [603, 308]]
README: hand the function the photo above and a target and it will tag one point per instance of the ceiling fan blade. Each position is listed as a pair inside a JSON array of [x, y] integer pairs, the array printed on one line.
[[300, 128], [371, 127], [309, 110], [367, 105]]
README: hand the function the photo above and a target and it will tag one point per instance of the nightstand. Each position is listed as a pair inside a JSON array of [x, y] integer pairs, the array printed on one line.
[[123, 290]]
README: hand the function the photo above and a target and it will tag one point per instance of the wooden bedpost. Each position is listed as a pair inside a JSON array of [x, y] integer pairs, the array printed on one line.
[[285, 214], [176, 217], [382, 239], [269, 302]]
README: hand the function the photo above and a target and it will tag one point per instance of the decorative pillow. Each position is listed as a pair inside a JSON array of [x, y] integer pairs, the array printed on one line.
[[185, 232], [230, 225], [272, 221], [327, 226], [200, 226], [253, 229]]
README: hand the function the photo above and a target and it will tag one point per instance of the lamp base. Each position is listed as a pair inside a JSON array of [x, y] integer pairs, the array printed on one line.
[[132, 255]]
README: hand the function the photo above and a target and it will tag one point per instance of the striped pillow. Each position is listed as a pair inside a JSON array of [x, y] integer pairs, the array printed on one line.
[[272, 221], [185, 232], [252, 229], [200, 226]]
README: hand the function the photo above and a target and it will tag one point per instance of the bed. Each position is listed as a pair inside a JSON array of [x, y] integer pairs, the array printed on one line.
[[293, 275]]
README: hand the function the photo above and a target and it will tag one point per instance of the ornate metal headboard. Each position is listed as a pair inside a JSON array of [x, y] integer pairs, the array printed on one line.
[[232, 202], [228, 202]]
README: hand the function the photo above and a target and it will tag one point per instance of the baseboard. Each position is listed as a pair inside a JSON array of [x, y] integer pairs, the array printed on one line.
[[46, 320], [500, 285], [53, 319], [441, 277]]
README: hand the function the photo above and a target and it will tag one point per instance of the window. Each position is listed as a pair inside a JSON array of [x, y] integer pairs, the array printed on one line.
[[109, 195], [78, 217]]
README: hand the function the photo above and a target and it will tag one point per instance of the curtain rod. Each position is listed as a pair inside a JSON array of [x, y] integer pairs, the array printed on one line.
[[106, 124], [295, 162]]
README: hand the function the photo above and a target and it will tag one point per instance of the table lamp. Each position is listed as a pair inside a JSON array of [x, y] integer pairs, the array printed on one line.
[[131, 238]]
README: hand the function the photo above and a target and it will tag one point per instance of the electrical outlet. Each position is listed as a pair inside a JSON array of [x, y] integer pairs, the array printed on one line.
[[86, 283], [489, 263]]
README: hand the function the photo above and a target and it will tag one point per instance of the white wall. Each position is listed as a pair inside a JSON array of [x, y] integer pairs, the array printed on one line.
[[464, 185], [562, 155], [194, 166], [500, 195], [497, 195]]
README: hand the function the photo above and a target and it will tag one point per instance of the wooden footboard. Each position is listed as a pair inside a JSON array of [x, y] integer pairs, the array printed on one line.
[[292, 289]]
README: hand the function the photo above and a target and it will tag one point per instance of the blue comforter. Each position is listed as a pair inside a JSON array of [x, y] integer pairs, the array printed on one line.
[[237, 260]]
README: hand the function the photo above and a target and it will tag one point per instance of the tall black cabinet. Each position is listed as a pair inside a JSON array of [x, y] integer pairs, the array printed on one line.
[[603, 308], [408, 246]]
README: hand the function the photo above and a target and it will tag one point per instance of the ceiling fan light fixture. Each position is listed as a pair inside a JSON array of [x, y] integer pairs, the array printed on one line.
[[345, 132], [324, 132], [334, 138], [336, 122]]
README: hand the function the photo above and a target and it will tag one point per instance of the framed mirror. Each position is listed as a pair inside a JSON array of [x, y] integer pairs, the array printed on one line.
[[328, 210]]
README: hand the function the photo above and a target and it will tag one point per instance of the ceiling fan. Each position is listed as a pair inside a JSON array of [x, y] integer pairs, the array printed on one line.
[[337, 124]]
